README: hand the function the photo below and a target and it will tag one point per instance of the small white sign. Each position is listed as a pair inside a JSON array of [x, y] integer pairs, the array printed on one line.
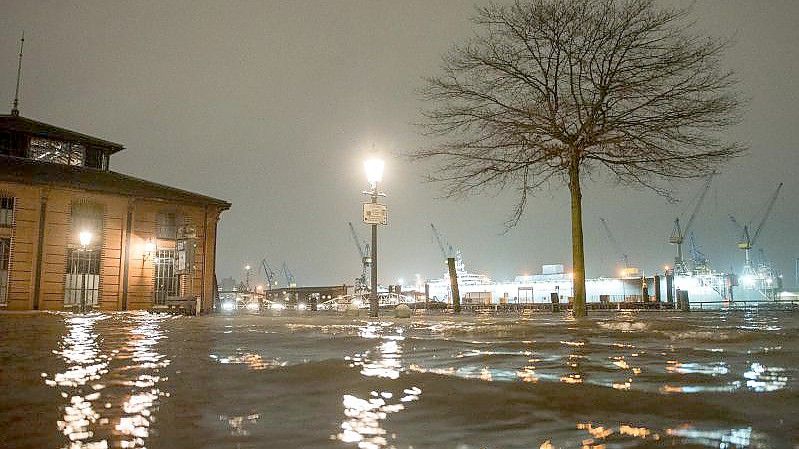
[[374, 213]]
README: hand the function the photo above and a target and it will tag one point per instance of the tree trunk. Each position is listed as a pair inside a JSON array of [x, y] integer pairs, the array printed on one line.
[[578, 255]]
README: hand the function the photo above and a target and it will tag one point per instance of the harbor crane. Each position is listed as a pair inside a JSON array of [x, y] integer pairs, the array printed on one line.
[[678, 233], [616, 247], [701, 263], [362, 282], [447, 251], [269, 274], [446, 248], [747, 241], [290, 282]]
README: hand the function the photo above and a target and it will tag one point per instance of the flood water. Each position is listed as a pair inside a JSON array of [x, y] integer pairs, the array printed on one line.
[[616, 380]]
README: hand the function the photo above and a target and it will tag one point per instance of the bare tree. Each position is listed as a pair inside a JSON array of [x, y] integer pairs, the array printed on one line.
[[548, 91]]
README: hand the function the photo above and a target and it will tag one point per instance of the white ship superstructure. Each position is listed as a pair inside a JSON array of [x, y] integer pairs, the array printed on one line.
[[538, 288]]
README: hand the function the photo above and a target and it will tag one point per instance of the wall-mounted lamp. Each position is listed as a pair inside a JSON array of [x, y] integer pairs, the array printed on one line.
[[149, 250], [85, 238]]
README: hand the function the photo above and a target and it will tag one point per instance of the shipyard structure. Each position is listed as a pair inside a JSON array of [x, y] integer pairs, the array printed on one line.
[[75, 235], [630, 287]]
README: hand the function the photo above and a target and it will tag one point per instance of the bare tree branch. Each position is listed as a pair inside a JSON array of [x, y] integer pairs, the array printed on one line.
[[549, 89]]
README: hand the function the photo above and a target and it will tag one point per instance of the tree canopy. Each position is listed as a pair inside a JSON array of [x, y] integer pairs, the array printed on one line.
[[547, 91]]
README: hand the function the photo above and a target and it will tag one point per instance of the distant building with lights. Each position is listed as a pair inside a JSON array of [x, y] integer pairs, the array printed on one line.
[[74, 234]]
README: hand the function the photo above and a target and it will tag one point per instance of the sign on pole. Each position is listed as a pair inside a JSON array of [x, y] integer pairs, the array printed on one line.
[[374, 213]]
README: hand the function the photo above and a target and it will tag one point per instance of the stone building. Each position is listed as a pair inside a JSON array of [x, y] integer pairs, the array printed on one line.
[[76, 235]]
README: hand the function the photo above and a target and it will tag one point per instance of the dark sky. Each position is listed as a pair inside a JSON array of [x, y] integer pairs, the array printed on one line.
[[272, 106]]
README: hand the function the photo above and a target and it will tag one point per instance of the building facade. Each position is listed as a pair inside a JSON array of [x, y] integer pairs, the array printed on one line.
[[76, 235]]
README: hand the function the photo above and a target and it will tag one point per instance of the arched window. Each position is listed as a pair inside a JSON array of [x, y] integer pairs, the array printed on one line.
[[82, 286], [87, 224]]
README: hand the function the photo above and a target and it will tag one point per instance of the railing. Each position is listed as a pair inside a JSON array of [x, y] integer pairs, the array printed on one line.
[[721, 305]]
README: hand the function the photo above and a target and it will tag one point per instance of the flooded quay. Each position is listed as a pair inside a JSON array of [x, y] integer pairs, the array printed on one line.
[[710, 379]]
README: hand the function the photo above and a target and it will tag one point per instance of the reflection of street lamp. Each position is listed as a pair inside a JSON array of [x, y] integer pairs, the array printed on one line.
[[374, 174], [85, 239]]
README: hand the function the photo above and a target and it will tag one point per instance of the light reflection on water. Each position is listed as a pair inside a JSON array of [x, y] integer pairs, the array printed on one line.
[[364, 416], [602, 437], [719, 383], [138, 409], [79, 350], [91, 418]]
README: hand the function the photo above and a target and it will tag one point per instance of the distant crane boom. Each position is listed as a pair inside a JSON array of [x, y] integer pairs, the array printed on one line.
[[769, 208], [362, 282], [699, 258], [748, 240], [446, 249], [269, 274], [615, 243], [290, 282], [677, 236], [357, 241]]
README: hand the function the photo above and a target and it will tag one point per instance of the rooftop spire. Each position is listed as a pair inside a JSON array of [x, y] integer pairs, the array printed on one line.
[[14, 109]]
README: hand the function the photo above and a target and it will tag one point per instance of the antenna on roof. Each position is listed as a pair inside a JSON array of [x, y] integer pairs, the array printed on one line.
[[14, 109]]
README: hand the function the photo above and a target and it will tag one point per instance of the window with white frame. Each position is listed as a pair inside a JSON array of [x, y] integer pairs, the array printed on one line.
[[5, 262], [6, 211], [167, 282], [58, 151], [82, 285]]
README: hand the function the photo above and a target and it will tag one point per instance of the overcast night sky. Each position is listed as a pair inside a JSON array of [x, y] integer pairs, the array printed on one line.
[[273, 105]]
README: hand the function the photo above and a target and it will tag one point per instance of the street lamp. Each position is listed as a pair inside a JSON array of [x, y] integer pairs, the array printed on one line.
[[374, 214], [247, 273]]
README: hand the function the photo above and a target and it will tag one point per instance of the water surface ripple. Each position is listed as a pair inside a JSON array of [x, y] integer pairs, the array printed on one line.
[[716, 379]]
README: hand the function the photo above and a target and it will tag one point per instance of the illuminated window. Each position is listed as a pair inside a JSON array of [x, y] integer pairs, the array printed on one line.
[[87, 217], [166, 226], [166, 281], [82, 284], [6, 211], [60, 152]]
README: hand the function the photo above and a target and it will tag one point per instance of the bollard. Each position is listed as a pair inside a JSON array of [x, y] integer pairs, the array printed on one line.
[[656, 281], [351, 310], [670, 290], [555, 302], [426, 295], [683, 301], [402, 311]]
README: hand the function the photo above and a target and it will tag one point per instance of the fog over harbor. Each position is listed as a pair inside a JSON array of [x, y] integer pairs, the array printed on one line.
[[272, 106]]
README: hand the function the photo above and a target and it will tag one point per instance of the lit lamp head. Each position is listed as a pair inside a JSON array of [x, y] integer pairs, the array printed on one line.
[[247, 268], [374, 170], [85, 238], [149, 249]]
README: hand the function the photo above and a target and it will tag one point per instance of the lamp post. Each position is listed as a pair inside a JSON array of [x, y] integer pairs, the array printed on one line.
[[247, 277], [85, 239], [374, 214]]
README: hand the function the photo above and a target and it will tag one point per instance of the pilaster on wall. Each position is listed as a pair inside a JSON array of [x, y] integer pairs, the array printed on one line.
[[24, 245], [115, 214], [209, 243], [141, 282]]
